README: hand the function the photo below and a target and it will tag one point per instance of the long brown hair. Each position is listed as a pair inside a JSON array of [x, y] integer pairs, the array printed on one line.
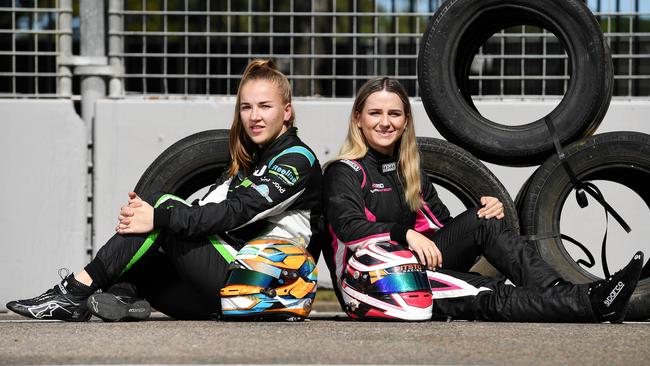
[[241, 147], [355, 145]]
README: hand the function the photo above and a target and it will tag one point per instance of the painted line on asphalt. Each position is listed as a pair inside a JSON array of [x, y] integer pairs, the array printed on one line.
[[30, 321]]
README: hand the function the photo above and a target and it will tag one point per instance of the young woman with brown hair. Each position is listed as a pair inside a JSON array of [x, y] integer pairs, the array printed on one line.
[[176, 255]]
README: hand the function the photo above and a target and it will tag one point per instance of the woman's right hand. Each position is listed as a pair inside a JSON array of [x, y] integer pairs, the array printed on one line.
[[136, 218], [426, 250], [134, 202]]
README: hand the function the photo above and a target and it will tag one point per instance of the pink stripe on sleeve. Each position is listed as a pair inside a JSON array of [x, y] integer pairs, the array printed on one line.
[[368, 238], [370, 216], [435, 219], [421, 223]]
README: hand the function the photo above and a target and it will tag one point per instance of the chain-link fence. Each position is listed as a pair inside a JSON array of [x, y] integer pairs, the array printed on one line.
[[28, 48], [327, 48]]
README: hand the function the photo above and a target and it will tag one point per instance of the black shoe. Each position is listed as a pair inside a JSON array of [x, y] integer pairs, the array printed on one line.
[[610, 297], [65, 301], [114, 308]]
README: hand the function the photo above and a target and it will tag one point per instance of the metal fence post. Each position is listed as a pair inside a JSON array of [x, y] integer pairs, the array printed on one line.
[[115, 47], [93, 86], [64, 74]]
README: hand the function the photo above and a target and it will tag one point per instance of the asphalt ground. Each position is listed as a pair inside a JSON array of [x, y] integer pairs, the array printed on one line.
[[325, 338]]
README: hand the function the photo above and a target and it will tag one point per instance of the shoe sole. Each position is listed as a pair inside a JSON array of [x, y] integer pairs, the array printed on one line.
[[110, 309]]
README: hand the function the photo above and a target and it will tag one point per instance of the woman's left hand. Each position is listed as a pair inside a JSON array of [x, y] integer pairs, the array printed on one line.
[[136, 218], [492, 207]]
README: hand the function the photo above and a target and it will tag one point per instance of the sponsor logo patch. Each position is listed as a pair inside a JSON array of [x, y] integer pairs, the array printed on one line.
[[405, 268], [246, 183], [285, 172], [351, 164], [379, 187], [263, 190], [612, 295], [260, 172], [278, 187], [388, 167], [249, 251]]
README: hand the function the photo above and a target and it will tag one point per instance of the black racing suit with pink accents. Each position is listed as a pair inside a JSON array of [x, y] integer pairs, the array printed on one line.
[[364, 202]]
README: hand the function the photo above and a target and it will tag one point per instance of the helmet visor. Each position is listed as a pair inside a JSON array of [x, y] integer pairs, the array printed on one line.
[[240, 276], [400, 282]]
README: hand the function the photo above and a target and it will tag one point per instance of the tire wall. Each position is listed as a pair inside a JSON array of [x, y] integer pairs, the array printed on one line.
[[619, 165], [616, 164], [455, 33]]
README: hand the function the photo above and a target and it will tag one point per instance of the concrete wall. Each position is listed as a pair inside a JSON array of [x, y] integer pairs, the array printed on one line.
[[43, 194], [44, 167]]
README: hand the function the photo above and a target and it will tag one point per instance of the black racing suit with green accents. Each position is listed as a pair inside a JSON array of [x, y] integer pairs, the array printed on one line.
[[181, 266]]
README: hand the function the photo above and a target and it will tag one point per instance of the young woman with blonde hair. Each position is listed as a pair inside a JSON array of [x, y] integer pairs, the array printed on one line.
[[176, 255], [375, 193]]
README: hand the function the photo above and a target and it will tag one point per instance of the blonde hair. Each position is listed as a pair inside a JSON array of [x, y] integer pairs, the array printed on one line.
[[242, 148], [355, 145]]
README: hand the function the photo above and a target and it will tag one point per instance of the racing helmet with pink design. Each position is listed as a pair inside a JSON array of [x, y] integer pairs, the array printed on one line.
[[384, 281]]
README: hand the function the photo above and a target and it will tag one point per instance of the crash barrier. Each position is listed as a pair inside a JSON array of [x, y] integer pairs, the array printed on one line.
[[621, 157], [449, 44], [455, 33]]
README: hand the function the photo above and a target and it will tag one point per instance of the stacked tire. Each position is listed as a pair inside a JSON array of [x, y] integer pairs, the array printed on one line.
[[187, 166], [454, 35]]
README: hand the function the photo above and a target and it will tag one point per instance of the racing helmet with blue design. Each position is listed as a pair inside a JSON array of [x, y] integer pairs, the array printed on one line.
[[270, 279], [385, 281]]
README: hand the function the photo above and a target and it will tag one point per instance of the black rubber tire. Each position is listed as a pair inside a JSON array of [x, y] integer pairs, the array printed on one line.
[[621, 157], [188, 165], [457, 170], [468, 179], [523, 191], [455, 33]]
